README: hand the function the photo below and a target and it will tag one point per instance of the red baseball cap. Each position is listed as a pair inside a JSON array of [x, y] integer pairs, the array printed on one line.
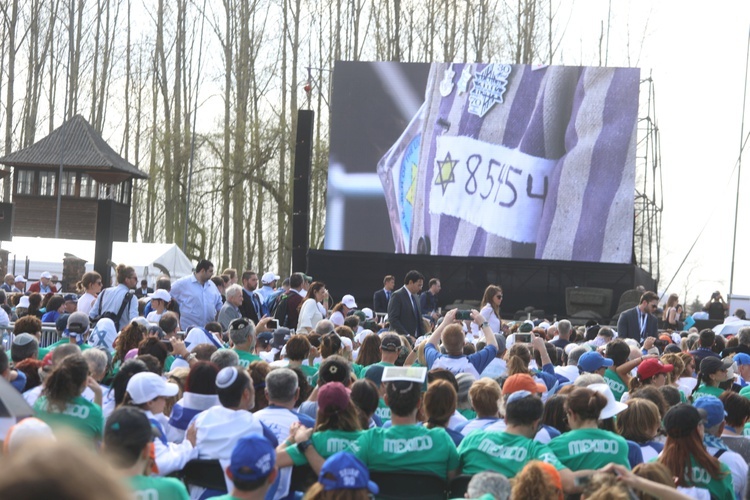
[[652, 366]]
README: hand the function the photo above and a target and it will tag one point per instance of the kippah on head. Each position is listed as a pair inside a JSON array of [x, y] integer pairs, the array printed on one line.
[[226, 377]]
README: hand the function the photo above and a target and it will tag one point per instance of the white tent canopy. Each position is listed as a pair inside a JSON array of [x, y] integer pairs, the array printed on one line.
[[47, 254]]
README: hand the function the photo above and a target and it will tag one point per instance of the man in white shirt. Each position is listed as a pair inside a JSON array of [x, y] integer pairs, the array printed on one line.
[[282, 391], [220, 427], [198, 297]]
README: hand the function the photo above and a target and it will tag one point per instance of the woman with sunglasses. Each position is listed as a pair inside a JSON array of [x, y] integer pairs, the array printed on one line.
[[493, 297]]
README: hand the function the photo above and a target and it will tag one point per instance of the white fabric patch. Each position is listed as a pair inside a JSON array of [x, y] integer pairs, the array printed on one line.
[[498, 189]]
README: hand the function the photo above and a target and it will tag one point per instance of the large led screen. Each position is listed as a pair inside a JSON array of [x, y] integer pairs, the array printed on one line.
[[485, 160]]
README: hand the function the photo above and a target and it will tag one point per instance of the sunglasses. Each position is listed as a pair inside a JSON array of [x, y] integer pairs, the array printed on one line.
[[498, 296]]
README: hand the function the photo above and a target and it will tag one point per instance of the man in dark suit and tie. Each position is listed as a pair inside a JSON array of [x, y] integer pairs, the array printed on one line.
[[639, 322], [251, 307], [381, 297], [144, 290], [404, 314]]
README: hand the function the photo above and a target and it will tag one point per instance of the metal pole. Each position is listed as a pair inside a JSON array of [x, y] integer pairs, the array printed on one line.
[[739, 170], [192, 140]]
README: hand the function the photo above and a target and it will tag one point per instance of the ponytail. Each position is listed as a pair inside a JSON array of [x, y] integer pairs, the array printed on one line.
[[519, 358], [634, 384], [586, 403], [66, 381], [87, 280]]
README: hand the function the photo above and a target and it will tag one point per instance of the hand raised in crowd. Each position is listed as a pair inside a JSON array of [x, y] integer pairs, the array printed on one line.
[[178, 347], [262, 325], [477, 317], [94, 386], [538, 343], [450, 317], [649, 343]]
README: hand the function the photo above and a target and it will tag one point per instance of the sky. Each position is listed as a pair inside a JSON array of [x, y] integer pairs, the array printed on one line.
[[696, 56], [698, 62]]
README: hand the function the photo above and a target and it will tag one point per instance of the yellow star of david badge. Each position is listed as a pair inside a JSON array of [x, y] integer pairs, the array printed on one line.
[[412, 191], [445, 172]]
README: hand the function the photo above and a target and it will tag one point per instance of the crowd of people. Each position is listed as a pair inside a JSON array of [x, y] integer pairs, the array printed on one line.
[[268, 376]]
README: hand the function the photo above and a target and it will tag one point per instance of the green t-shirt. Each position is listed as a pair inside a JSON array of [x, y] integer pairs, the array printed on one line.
[[168, 363], [721, 487], [407, 448], [326, 443], [62, 341], [246, 358], [309, 371], [590, 449], [502, 452], [158, 488], [615, 382], [82, 415], [707, 390], [379, 363], [358, 370], [468, 413], [382, 411], [746, 430]]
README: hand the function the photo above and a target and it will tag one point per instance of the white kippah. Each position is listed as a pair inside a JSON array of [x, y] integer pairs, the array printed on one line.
[[226, 377]]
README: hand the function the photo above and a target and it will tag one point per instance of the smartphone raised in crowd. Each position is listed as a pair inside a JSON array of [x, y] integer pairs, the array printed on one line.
[[463, 314], [272, 324], [524, 338]]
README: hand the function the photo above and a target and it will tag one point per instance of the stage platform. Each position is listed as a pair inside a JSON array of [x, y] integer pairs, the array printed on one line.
[[525, 282]]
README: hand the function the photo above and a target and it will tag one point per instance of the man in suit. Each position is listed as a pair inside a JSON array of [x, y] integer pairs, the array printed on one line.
[[404, 313], [381, 297], [639, 322], [144, 290], [251, 307]]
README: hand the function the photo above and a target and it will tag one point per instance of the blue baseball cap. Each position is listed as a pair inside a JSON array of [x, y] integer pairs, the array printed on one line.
[[741, 359], [714, 409], [592, 361], [253, 458], [344, 471]]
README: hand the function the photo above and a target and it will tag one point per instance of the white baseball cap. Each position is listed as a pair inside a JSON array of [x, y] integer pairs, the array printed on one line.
[[46, 274], [269, 277], [146, 386], [161, 294], [368, 313], [349, 301], [24, 302], [20, 279]]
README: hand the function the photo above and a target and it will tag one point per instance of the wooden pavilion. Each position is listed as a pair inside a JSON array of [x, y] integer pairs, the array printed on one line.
[[91, 170]]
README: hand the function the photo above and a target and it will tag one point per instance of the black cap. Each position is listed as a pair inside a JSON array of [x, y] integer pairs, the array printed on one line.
[[712, 364], [682, 419], [390, 342], [280, 337], [265, 338], [62, 323], [128, 427]]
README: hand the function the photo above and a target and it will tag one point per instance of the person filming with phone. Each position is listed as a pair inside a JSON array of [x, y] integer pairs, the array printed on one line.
[[453, 337]]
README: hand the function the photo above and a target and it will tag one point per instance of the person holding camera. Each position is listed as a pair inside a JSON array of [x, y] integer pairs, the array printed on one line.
[[716, 308], [453, 337]]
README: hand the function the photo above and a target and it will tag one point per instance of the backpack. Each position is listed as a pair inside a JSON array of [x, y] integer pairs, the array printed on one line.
[[115, 317], [281, 312]]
